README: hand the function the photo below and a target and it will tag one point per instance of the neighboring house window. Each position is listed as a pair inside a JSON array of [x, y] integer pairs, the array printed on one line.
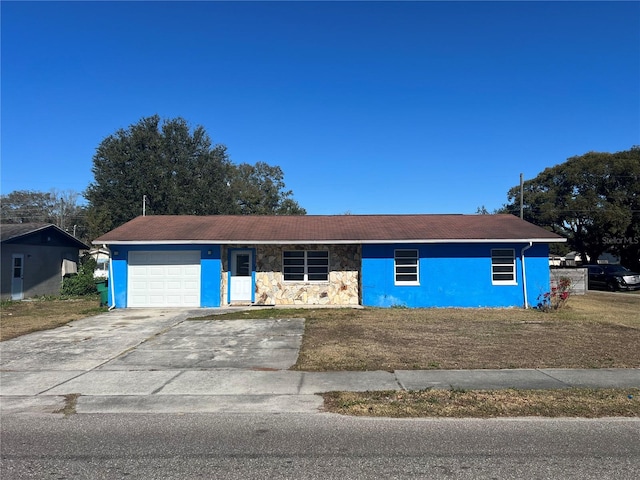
[[306, 265], [503, 266], [406, 267]]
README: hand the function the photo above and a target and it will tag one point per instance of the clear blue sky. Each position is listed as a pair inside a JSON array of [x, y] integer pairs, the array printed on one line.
[[368, 107]]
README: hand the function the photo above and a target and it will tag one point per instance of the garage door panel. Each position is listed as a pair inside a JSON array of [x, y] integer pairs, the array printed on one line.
[[164, 279], [176, 271], [138, 299], [155, 286]]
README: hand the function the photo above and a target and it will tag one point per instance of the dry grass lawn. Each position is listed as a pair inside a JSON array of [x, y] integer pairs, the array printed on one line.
[[598, 330], [20, 318], [593, 332], [576, 402]]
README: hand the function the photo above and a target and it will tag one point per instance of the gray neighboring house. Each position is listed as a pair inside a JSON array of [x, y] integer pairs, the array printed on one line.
[[35, 258]]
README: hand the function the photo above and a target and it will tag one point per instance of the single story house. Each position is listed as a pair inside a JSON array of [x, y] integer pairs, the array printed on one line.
[[35, 258], [370, 260]]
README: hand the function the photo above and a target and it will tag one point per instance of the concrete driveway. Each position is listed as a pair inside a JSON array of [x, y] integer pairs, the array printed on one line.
[[127, 353], [156, 340]]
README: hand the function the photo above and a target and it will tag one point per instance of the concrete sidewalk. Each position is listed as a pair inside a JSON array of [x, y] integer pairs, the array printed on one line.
[[238, 391], [155, 361]]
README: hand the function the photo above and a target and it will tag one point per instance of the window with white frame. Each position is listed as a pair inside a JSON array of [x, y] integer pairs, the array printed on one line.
[[406, 267], [503, 266], [305, 265]]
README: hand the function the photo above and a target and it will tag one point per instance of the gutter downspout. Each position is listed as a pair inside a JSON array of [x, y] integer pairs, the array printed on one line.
[[111, 282], [524, 274]]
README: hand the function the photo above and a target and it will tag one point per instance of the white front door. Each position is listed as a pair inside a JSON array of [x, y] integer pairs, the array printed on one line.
[[241, 282], [17, 276]]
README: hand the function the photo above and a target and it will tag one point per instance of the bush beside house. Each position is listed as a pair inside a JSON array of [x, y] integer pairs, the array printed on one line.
[[84, 282]]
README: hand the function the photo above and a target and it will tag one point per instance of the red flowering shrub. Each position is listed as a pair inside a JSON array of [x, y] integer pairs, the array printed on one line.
[[557, 297]]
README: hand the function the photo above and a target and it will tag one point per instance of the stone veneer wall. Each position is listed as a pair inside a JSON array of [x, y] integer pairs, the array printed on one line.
[[343, 287]]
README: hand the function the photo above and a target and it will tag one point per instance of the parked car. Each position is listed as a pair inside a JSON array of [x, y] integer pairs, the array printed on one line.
[[612, 277]]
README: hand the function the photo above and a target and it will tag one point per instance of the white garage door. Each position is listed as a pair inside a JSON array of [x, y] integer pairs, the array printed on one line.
[[163, 279]]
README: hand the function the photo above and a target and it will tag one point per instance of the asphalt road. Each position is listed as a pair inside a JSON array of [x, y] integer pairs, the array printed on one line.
[[324, 446]]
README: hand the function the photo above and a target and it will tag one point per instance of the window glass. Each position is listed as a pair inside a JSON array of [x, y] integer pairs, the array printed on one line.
[[243, 269], [503, 265], [305, 265], [406, 267]]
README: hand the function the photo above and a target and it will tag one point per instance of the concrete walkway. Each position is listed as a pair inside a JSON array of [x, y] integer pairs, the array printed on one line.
[[157, 361]]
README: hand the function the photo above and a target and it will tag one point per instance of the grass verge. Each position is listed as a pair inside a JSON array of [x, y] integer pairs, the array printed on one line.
[[70, 403], [20, 318], [574, 402]]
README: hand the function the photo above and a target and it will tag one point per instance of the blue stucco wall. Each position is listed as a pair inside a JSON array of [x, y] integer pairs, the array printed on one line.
[[210, 268], [452, 275]]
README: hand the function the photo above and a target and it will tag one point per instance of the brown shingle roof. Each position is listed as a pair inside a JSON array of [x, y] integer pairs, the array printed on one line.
[[9, 231], [325, 229], [14, 231]]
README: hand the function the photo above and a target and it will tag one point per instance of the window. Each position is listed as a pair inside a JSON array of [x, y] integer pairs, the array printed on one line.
[[17, 267], [503, 266], [406, 267], [306, 265], [242, 266]]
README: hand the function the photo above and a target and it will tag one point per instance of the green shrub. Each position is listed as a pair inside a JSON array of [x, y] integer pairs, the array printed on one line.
[[83, 283]]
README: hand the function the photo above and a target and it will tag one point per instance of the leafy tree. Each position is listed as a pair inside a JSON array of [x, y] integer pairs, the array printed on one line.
[[181, 173], [260, 190], [26, 206], [59, 207], [593, 200]]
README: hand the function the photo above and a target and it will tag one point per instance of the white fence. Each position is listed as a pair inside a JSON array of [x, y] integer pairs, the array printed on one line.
[[578, 277]]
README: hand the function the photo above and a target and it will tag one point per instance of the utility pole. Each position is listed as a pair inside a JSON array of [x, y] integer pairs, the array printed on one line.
[[144, 205], [61, 213], [521, 197]]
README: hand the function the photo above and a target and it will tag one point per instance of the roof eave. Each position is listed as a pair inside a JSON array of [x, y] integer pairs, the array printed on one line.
[[327, 241], [30, 232], [78, 243]]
